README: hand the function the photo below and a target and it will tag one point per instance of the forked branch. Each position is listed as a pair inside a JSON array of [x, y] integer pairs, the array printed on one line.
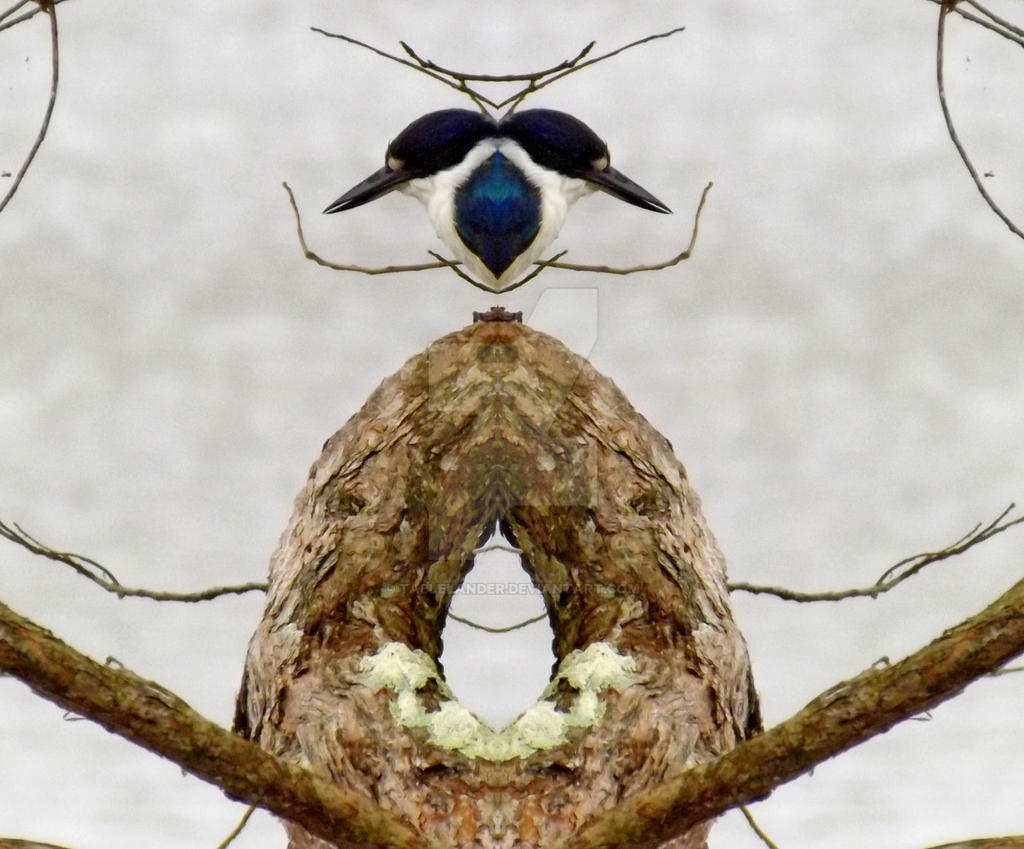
[[48, 7], [1005, 29], [460, 80], [106, 580], [898, 572], [454, 266], [838, 719]]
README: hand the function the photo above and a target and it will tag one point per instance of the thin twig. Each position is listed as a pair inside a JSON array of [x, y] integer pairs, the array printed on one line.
[[503, 630], [497, 78], [511, 549], [47, 6], [607, 269], [1007, 32], [542, 265], [104, 578], [995, 18], [454, 266], [389, 269], [755, 827], [14, 8], [238, 828], [435, 76], [516, 99], [974, 535], [897, 573], [459, 80], [944, 9], [497, 546], [40, 7]]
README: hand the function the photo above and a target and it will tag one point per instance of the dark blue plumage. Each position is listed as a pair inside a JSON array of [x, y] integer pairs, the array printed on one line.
[[555, 140], [497, 191], [497, 213], [439, 140]]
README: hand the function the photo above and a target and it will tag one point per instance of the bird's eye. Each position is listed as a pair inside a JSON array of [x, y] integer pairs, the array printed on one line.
[[393, 163], [601, 163]]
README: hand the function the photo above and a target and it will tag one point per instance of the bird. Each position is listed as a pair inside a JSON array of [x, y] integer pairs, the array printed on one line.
[[497, 191]]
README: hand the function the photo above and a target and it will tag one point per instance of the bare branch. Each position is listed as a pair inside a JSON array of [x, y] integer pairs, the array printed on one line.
[[607, 269], [161, 722], [765, 839], [497, 546], [896, 574], [237, 830], [390, 269], [454, 266], [14, 8], [460, 80], [995, 18], [516, 99], [510, 549], [48, 7], [39, 7], [540, 266], [105, 579], [1006, 670], [837, 720], [945, 7], [497, 78], [1008, 31], [13, 843], [502, 630], [423, 70]]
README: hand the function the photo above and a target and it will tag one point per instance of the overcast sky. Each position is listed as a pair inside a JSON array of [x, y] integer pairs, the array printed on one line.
[[839, 366]]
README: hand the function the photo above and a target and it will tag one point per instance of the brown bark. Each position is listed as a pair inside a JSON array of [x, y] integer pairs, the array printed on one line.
[[156, 719], [841, 717], [848, 713], [498, 424]]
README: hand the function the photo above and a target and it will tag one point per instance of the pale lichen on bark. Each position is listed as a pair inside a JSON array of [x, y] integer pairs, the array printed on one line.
[[497, 425]]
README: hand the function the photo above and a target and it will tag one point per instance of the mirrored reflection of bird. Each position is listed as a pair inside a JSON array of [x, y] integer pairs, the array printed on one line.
[[497, 191]]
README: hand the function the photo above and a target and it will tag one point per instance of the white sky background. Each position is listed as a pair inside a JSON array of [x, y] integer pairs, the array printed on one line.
[[839, 366]]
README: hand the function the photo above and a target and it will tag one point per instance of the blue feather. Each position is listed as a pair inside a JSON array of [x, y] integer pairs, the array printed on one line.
[[497, 212]]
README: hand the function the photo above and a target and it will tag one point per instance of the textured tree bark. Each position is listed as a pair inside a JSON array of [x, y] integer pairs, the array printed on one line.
[[497, 425]]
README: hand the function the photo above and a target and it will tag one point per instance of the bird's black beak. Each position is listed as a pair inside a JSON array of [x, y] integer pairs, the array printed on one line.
[[378, 183], [618, 184]]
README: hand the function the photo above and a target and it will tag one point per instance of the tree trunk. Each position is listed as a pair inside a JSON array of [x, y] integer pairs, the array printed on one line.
[[497, 425]]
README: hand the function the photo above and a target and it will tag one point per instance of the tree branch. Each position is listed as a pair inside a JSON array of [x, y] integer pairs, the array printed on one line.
[[945, 7], [46, 6], [106, 580], [633, 269], [39, 7], [839, 719], [749, 817], [535, 80], [237, 830], [156, 719], [389, 269], [896, 574]]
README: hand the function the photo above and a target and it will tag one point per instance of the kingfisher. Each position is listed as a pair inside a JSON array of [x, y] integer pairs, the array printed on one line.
[[497, 191]]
